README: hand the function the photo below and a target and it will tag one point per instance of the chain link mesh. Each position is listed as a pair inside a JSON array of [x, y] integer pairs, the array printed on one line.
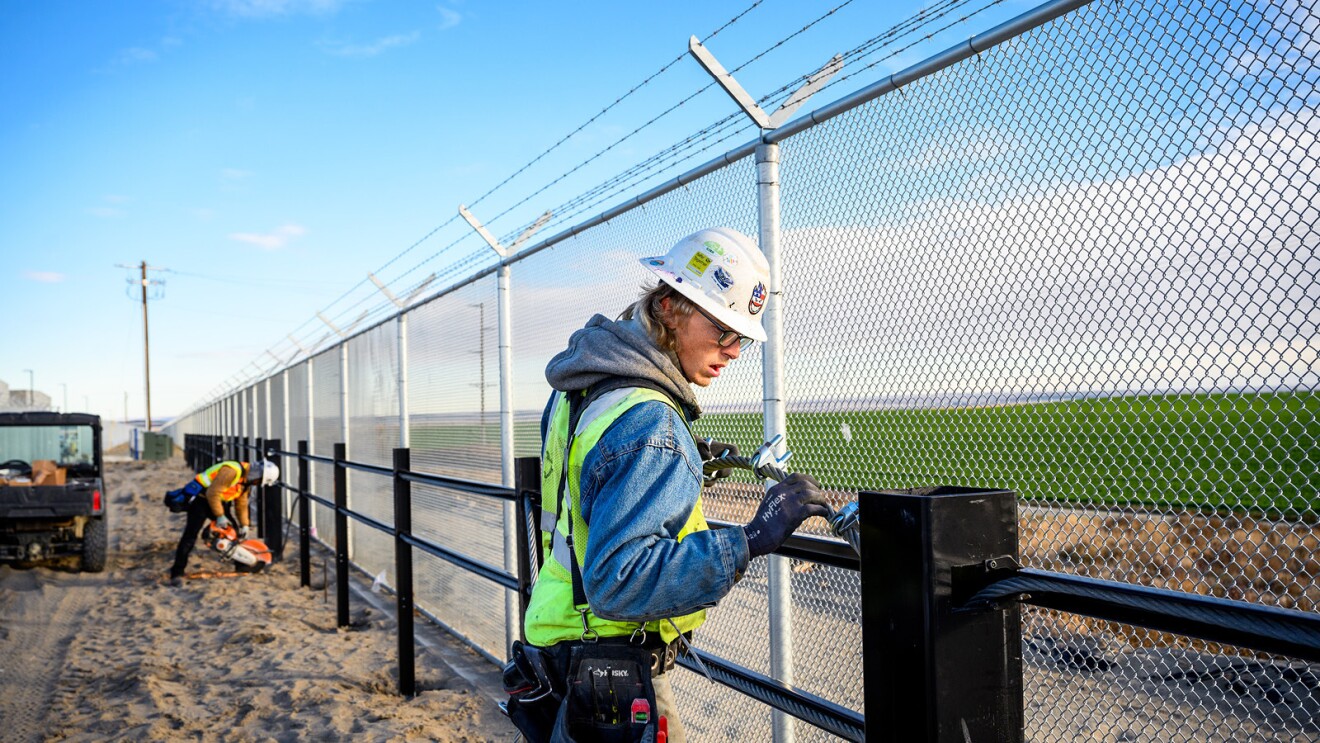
[[327, 430], [1083, 267]]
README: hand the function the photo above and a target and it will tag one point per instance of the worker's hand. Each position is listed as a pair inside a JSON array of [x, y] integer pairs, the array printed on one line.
[[783, 509], [222, 522], [712, 449], [242, 532]]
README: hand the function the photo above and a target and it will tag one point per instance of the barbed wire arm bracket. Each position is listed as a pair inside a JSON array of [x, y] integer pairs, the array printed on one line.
[[342, 333], [745, 101], [385, 290], [499, 248]]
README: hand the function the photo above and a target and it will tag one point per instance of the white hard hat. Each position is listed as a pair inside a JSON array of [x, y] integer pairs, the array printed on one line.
[[723, 272], [265, 471]]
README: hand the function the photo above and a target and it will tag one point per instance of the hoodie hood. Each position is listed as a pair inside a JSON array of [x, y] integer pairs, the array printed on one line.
[[606, 349]]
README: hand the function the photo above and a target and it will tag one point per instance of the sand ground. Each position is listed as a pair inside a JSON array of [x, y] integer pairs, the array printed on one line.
[[122, 655]]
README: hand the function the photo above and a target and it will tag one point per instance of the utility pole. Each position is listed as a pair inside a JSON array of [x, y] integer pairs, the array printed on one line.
[[144, 282]]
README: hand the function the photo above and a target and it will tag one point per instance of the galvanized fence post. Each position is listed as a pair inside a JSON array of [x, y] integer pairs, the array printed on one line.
[[403, 571], [341, 534], [512, 602], [934, 671], [775, 420]]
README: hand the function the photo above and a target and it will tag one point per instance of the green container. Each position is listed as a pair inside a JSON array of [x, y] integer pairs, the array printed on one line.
[[156, 446]]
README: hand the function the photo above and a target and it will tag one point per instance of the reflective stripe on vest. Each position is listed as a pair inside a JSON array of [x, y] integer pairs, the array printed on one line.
[[207, 476], [551, 616]]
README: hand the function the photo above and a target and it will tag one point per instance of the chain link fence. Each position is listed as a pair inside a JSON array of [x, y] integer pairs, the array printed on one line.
[[1081, 265]]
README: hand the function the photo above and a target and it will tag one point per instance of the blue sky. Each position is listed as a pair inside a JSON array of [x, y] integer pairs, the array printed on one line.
[[269, 153]]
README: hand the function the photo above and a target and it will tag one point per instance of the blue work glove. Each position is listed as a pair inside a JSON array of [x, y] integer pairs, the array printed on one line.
[[222, 522], [711, 449], [783, 509], [242, 532]]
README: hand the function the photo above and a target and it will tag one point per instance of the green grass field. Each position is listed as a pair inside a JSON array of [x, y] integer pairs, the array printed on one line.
[[1241, 452], [1250, 453]]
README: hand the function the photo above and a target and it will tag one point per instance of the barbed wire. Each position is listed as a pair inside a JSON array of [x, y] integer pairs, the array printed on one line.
[[629, 176], [689, 147]]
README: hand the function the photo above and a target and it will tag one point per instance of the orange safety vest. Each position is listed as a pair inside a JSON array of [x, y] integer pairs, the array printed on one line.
[[232, 492]]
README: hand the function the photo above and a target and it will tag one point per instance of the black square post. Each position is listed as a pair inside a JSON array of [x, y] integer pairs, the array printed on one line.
[[259, 503], [403, 572], [934, 672], [304, 516], [527, 484], [341, 533], [272, 508]]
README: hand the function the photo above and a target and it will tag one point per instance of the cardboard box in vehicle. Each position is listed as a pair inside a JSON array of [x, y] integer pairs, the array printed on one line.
[[46, 472]]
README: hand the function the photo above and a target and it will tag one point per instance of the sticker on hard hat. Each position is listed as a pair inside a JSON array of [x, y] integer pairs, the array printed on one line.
[[722, 279], [697, 266], [655, 262], [758, 299], [713, 247]]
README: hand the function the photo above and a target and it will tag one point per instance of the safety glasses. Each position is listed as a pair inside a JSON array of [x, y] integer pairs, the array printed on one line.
[[727, 337]]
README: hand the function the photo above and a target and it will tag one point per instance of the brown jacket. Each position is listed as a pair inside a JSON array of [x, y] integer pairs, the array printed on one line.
[[223, 480]]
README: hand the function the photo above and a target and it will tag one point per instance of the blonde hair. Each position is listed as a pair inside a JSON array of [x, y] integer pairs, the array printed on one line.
[[652, 315]]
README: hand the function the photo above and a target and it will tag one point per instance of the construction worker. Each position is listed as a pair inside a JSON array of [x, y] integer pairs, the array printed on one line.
[[217, 488], [643, 566]]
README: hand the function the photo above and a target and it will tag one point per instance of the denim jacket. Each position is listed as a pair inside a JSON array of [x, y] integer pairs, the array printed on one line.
[[639, 485]]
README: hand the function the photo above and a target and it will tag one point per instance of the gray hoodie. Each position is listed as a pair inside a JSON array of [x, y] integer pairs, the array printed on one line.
[[604, 349]]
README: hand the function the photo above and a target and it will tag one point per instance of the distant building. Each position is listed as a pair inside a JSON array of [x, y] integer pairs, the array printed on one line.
[[19, 400]]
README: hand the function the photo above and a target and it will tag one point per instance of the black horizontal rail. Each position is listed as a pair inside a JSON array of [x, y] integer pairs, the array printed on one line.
[[811, 548], [1239, 623], [807, 707], [472, 487], [493, 574], [467, 486], [508, 580]]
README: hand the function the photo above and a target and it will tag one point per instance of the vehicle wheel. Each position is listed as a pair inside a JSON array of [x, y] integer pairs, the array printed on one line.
[[94, 546]]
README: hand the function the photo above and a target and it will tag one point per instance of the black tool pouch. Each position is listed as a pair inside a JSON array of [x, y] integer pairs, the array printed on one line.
[[535, 694], [179, 500], [610, 697]]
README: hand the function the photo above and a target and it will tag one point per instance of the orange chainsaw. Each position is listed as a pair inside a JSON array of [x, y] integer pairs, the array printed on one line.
[[249, 555]]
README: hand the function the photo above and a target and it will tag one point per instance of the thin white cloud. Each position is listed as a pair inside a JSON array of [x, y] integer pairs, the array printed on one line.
[[135, 55], [274, 240], [340, 49], [45, 277], [203, 214], [234, 174], [105, 212], [116, 199], [275, 8], [448, 17]]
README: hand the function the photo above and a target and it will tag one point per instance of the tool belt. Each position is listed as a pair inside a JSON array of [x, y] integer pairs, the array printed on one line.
[[586, 691]]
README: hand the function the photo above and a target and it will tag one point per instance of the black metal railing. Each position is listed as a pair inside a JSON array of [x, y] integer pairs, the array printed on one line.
[[941, 596]]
